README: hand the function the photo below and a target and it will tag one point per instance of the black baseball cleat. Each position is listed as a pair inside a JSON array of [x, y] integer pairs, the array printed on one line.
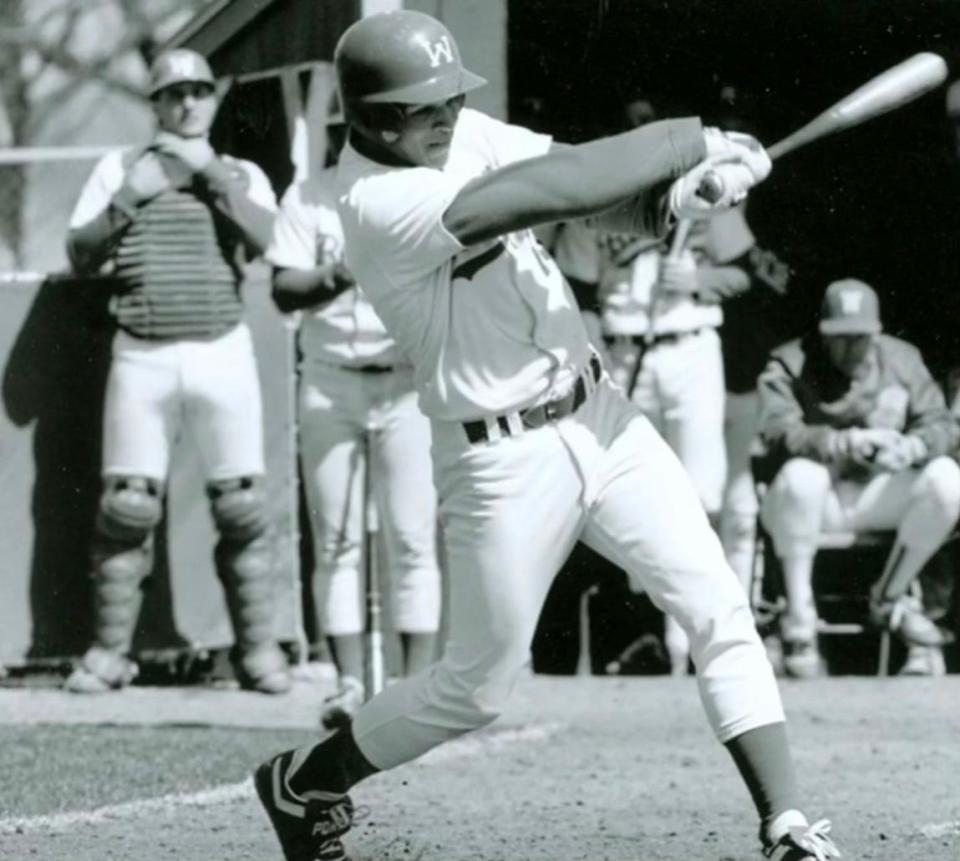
[[308, 827]]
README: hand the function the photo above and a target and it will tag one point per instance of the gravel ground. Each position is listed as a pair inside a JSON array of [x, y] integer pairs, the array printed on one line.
[[580, 769]]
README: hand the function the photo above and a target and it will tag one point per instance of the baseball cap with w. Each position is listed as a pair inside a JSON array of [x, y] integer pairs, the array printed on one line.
[[179, 66], [850, 307]]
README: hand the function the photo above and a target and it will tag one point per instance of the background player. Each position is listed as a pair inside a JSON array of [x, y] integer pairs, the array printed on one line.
[[175, 221], [533, 447], [355, 387], [658, 318], [859, 436]]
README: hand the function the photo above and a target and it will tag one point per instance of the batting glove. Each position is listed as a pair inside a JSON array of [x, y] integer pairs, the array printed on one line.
[[735, 163]]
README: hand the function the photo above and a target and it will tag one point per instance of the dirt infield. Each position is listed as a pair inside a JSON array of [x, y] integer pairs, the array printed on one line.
[[591, 769]]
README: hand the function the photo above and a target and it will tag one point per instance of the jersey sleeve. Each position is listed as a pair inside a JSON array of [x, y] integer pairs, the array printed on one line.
[[506, 143], [294, 241], [396, 223], [103, 183], [576, 252], [259, 189]]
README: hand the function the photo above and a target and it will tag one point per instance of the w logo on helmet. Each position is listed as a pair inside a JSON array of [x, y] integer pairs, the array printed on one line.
[[851, 301], [439, 51]]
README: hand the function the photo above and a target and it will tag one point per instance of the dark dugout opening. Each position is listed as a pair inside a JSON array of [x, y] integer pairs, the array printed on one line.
[[879, 202]]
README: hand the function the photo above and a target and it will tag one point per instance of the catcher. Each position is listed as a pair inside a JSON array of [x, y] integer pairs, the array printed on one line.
[[175, 222]]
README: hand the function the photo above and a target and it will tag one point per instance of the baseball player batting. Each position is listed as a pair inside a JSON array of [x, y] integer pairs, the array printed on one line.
[[533, 446]]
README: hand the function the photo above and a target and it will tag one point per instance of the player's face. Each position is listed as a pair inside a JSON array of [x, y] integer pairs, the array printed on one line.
[[186, 109], [848, 352], [426, 131]]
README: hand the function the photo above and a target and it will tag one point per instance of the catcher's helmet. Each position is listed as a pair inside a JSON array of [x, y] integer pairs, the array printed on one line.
[[178, 66], [401, 57]]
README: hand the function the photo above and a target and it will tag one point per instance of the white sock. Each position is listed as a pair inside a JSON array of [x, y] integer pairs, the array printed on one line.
[[783, 822]]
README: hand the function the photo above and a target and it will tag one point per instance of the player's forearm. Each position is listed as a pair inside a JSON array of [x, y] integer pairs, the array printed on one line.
[[229, 196], [89, 245], [628, 171], [294, 289], [716, 284], [929, 418], [938, 430], [783, 426]]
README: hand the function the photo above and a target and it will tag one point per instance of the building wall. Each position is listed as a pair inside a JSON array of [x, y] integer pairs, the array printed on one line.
[[480, 27]]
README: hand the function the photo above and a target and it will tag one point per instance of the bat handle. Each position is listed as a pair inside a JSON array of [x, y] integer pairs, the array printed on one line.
[[711, 187]]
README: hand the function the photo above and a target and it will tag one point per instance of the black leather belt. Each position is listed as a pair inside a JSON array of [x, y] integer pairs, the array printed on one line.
[[642, 341], [538, 416], [370, 369]]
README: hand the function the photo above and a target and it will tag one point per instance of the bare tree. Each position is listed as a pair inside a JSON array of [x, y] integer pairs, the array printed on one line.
[[47, 55]]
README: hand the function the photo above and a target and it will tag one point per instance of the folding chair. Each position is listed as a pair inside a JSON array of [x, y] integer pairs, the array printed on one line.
[[840, 611]]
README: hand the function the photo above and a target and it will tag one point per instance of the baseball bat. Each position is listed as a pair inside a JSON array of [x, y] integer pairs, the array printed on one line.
[[375, 671], [888, 91]]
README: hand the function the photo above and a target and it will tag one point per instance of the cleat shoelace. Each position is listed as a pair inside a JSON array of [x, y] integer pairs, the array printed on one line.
[[815, 840]]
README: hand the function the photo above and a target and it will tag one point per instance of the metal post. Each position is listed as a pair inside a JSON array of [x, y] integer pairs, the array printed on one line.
[[585, 659], [374, 657]]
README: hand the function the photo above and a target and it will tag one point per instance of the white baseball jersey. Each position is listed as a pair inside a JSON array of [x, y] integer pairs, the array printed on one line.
[[108, 174], [626, 269], [491, 328], [211, 387], [307, 233]]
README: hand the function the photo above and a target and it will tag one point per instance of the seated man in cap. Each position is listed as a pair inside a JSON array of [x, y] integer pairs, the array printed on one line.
[[861, 431]]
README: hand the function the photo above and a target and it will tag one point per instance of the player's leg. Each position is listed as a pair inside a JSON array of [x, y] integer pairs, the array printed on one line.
[[223, 407], [922, 505], [138, 423], [404, 478], [691, 401], [647, 518], [333, 409], [738, 518], [622, 355], [511, 512], [797, 507]]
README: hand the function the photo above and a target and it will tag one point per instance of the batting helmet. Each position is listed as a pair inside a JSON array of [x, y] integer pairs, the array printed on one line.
[[401, 57], [178, 66]]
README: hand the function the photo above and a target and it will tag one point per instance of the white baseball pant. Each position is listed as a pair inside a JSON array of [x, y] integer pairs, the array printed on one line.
[[337, 406], [738, 521], [512, 511], [803, 501], [681, 390], [210, 389]]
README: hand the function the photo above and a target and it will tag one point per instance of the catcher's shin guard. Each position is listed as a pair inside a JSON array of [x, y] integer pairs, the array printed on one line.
[[244, 565], [122, 558]]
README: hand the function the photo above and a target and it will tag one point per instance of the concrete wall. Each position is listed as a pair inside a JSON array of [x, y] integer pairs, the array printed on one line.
[[54, 354], [480, 28]]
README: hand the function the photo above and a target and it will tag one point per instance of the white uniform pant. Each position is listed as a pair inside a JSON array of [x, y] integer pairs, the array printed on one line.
[[804, 501], [512, 510], [681, 390], [210, 389], [338, 406], [738, 521]]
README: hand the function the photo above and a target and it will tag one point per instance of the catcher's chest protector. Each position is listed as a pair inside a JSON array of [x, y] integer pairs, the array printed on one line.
[[176, 271]]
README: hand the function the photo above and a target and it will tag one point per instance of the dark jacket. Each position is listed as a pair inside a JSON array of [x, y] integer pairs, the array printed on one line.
[[805, 401]]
